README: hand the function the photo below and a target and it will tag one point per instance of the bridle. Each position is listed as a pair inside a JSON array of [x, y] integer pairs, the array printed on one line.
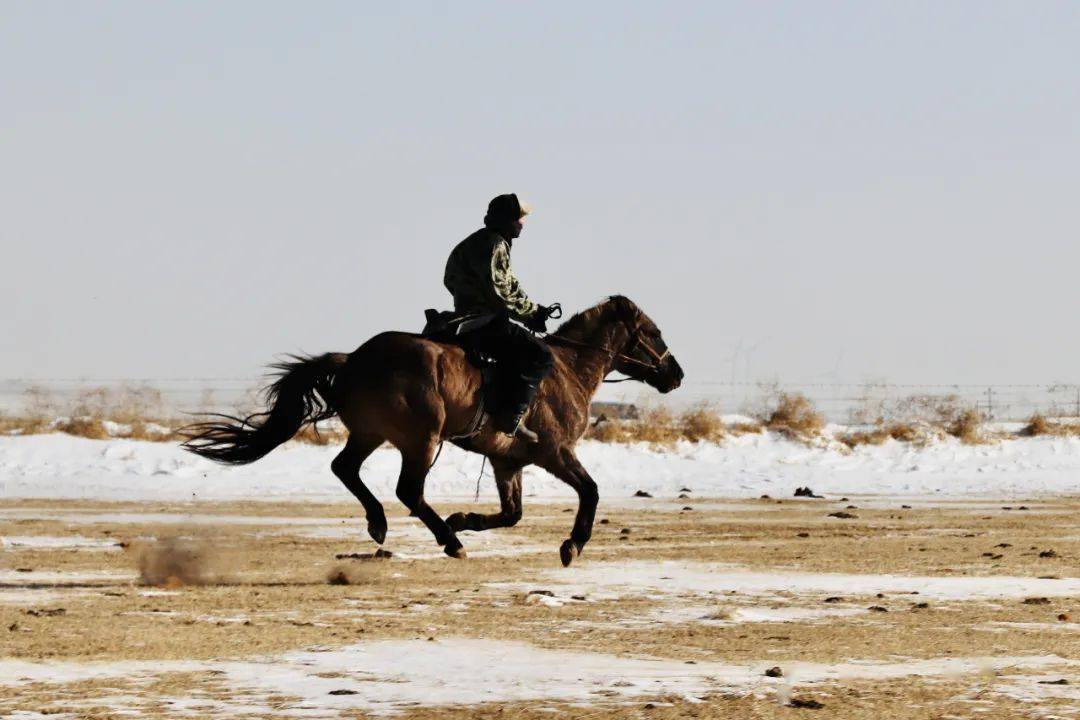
[[635, 341]]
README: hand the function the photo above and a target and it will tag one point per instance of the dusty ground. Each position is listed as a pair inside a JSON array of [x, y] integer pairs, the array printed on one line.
[[939, 610]]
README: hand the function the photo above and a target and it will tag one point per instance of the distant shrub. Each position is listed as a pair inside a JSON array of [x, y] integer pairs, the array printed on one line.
[[660, 426], [746, 428], [967, 427], [906, 432], [876, 436], [793, 414], [135, 413], [701, 423], [86, 427], [657, 425], [1039, 425]]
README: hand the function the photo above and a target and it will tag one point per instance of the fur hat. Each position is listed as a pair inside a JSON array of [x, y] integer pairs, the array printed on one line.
[[506, 208]]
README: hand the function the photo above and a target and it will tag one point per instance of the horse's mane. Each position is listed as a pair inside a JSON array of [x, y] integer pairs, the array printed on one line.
[[586, 319]]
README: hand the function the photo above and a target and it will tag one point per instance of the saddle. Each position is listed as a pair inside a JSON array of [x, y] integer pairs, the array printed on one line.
[[447, 326]]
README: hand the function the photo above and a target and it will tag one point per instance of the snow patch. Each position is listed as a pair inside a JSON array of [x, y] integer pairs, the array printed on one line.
[[54, 542], [390, 676], [670, 578], [62, 466]]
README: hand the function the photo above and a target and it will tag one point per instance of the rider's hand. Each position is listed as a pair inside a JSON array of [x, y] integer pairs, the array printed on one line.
[[537, 322]]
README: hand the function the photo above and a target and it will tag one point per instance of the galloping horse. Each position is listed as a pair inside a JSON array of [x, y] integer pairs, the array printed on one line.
[[415, 393]]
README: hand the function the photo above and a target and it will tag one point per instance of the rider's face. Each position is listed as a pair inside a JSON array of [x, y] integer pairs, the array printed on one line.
[[515, 228]]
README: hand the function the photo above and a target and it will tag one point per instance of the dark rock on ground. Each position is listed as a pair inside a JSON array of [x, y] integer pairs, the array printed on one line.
[[379, 554]]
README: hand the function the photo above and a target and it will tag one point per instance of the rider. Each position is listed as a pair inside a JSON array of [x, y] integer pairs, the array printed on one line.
[[485, 290]]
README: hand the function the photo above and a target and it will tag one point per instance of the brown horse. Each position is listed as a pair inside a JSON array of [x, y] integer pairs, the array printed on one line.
[[415, 393]]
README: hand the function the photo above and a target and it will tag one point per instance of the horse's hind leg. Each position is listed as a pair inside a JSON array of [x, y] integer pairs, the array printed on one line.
[[347, 467], [508, 481], [415, 463]]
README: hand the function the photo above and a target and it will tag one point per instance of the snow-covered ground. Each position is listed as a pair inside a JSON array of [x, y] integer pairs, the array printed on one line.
[[62, 466], [385, 677]]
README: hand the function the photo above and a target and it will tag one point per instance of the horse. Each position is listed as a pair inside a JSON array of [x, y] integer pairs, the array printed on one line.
[[416, 393]]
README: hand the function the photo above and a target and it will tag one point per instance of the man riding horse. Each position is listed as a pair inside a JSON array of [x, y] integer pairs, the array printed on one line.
[[416, 391], [487, 297]]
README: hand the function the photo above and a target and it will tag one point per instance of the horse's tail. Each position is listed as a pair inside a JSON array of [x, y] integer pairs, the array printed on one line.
[[303, 393]]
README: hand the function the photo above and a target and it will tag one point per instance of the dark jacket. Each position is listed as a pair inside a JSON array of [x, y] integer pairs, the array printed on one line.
[[479, 276]]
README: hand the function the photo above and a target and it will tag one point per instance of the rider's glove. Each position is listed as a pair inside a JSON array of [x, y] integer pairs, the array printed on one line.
[[537, 322]]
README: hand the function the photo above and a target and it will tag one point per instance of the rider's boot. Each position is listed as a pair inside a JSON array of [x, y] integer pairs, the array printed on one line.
[[511, 422], [510, 419]]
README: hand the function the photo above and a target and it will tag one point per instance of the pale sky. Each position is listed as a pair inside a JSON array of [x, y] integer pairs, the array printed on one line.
[[853, 191]]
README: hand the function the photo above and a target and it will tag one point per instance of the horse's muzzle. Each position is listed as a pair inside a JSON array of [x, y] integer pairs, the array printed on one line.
[[671, 375]]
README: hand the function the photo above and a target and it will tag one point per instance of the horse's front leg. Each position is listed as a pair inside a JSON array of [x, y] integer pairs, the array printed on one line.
[[569, 469], [508, 482]]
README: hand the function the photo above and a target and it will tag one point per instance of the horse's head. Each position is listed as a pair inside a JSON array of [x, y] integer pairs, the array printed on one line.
[[643, 354]]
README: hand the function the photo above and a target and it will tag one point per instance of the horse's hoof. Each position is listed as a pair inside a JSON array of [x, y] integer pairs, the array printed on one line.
[[456, 522], [456, 552], [377, 531], [568, 552]]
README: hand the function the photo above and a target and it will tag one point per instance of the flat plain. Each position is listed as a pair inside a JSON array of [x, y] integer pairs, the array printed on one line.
[[767, 608]]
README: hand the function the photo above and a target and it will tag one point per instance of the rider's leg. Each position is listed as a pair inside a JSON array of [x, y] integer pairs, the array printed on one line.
[[532, 361], [522, 362]]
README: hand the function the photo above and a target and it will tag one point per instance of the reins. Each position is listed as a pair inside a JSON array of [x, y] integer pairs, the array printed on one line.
[[623, 357]]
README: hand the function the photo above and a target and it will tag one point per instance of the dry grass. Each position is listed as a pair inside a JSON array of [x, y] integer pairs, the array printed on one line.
[[794, 415], [87, 427], [746, 428], [660, 426], [657, 425], [968, 427], [875, 436], [702, 423], [133, 413], [919, 433], [23, 425], [919, 419], [1039, 425], [321, 435]]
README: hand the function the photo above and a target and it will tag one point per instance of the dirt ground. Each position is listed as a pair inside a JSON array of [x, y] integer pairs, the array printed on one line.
[[907, 609]]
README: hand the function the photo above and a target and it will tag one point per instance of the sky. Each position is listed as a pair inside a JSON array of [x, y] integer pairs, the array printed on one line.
[[798, 191]]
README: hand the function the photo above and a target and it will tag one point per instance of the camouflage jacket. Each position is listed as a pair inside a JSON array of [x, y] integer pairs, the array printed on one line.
[[479, 277]]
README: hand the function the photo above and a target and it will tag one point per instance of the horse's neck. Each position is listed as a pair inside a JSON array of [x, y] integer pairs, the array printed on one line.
[[592, 359]]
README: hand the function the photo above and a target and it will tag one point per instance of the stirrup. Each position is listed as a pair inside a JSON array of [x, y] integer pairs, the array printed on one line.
[[526, 434], [515, 429]]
